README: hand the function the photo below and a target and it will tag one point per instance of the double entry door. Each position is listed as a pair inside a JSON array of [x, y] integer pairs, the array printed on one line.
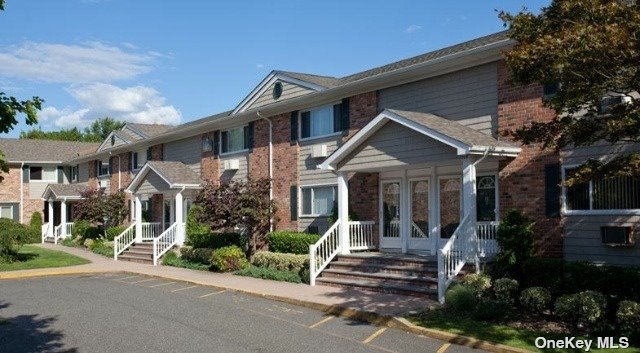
[[416, 215]]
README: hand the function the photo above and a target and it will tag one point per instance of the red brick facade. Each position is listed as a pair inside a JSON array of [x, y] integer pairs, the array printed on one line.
[[285, 171], [210, 163], [259, 157], [522, 179], [362, 109], [120, 173]]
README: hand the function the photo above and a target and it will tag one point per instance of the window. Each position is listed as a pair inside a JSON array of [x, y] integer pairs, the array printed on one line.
[[103, 168], [317, 122], [207, 144], [318, 200], [233, 140], [550, 89], [74, 172], [35, 173], [134, 161], [6, 212], [486, 198], [616, 235], [43, 173], [619, 193]]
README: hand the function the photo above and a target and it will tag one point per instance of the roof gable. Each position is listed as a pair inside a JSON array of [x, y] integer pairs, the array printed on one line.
[[115, 139], [174, 174]]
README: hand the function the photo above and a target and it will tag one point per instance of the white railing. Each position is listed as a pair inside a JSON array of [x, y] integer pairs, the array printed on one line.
[[151, 230], [323, 251], [44, 232], [416, 232], [459, 249], [392, 229], [124, 240], [166, 240], [361, 235], [487, 243], [68, 229], [57, 232]]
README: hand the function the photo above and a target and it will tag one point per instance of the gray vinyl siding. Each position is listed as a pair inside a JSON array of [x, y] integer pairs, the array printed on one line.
[[186, 151], [152, 184], [583, 242], [36, 189], [235, 175], [289, 91], [309, 174], [469, 97], [395, 146]]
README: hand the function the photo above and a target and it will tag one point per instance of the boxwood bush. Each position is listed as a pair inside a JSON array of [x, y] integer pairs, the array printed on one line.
[[229, 258], [535, 299], [506, 289], [85, 230], [281, 262], [479, 283], [269, 273], [588, 307], [291, 242], [628, 316], [113, 232], [461, 298], [198, 255]]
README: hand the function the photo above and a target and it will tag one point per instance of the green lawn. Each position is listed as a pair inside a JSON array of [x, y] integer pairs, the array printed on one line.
[[35, 257], [496, 333]]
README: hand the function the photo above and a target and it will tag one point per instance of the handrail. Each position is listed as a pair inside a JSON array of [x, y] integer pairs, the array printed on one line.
[[150, 230], [124, 240], [487, 238], [68, 229], [455, 254], [56, 232], [361, 235], [416, 230], [323, 251], [44, 231], [165, 241]]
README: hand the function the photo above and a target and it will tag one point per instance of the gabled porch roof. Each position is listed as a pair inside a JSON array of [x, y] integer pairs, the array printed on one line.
[[463, 139], [169, 174], [64, 191]]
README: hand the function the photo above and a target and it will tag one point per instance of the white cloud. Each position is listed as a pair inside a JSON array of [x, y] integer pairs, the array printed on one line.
[[63, 63], [412, 28]]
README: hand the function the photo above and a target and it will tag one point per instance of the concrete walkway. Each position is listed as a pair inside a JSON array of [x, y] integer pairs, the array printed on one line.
[[340, 299]]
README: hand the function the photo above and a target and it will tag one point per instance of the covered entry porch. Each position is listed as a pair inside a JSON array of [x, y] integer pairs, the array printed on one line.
[[59, 200], [437, 190]]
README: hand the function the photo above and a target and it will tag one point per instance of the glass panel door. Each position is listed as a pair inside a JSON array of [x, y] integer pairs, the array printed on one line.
[[390, 215], [450, 193], [419, 206]]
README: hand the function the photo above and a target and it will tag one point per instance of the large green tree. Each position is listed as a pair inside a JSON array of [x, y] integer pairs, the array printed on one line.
[[592, 49], [97, 132]]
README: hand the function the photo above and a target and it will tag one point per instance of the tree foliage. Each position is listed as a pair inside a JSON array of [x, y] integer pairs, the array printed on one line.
[[592, 49], [97, 132], [97, 208], [238, 204]]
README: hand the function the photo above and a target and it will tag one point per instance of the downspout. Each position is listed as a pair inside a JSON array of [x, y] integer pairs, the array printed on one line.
[[119, 171], [21, 192], [484, 155], [270, 164]]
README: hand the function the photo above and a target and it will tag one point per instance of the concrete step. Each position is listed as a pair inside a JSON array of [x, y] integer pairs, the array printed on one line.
[[141, 252], [389, 260], [427, 270], [386, 278], [377, 286], [136, 258]]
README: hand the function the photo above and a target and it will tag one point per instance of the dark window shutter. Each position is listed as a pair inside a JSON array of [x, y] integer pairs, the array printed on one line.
[[552, 189], [112, 166], [305, 122], [224, 137], [248, 136], [293, 195], [60, 174], [149, 154], [337, 118], [98, 167], [132, 164], [216, 142], [25, 173], [294, 126], [345, 124]]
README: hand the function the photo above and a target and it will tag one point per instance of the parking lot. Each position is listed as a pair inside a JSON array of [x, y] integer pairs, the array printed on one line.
[[126, 313]]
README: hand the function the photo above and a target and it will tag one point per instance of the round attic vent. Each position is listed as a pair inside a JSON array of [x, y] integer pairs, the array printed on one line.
[[277, 90]]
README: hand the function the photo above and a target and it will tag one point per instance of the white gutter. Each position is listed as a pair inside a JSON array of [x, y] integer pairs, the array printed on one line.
[[270, 165], [21, 192]]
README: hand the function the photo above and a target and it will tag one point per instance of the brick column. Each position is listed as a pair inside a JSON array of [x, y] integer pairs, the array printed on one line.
[[285, 170], [210, 163]]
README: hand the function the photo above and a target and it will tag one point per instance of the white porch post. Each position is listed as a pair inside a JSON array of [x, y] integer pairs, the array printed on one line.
[[138, 220], [469, 204], [63, 218], [178, 217], [51, 223], [343, 211]]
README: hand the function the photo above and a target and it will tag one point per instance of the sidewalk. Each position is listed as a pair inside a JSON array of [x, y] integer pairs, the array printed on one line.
[[337, 300]]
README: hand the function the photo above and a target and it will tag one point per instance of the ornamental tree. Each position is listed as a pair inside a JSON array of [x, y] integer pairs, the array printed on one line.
[[97, 208], [591, 48]]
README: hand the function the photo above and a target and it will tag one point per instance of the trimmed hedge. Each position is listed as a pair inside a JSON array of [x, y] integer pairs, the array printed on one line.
[[506, 289], [113, 232], [85, 230], [230, 258], [535, 299], [281, 262], [198, 255], [172, 259], [216, 240], [271, 274], [291, 242]]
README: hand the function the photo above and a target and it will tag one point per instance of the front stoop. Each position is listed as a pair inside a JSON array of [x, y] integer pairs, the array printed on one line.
[[140, 253]]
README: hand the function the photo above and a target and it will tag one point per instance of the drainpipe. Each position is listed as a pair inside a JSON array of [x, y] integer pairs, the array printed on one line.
[[270, 164], [119, 171], [21, 192], [484, 155]]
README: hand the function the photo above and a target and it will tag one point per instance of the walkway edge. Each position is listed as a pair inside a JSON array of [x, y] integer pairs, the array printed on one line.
[[47, 273]]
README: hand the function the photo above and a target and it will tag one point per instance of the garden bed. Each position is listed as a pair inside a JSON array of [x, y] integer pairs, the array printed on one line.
[[31, 257]]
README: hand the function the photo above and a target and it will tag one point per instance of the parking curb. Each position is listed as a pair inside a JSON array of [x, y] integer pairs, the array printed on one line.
[[47, 273]]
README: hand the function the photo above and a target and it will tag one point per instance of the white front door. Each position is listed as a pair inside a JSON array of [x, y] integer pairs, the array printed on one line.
[[391, 197], [419, 209]]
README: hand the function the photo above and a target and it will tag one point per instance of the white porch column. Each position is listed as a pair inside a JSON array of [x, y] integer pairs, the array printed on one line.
[[63, 218], [172, 210], [51, 223], [469, 203], [178, 217], [343, 211], [138, 220]]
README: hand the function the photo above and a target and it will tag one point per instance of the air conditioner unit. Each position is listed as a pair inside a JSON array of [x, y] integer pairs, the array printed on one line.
[[103, 184], [319, 151], [232, 164], [607, 102]]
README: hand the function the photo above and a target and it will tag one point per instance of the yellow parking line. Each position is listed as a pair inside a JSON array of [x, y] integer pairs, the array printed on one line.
[[443, 348], [374, 335], [144, 280], [161, 284], [210, 294], [321, 322], [185, 288]]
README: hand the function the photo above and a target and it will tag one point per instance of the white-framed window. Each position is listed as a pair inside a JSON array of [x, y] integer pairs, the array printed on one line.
[[317, 122], [6, 211], [317, 200], [134, 161], [40, 173], [75, 172], [601, 196], [486, 198], [233, 140], [103, 168]]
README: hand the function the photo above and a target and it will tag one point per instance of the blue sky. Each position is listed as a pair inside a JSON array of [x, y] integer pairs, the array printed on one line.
[[171, 62]]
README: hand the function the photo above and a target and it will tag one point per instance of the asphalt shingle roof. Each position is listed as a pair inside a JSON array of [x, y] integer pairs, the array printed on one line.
[[68, 190], [175, 172], [31, 150], [150, 129]]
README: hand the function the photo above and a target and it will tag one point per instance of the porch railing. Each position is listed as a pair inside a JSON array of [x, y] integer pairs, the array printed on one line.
[[458, 250], [57, 232], [323, 251], [68, 229], [361, 235], [44, 231], [124, 240], [416, 232], [166, 240], [151, 230], [487, 243]]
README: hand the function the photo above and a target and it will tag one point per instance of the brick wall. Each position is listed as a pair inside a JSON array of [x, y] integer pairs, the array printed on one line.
[[93, 178], [210, 164], [362, 109], [10, 192], [121, 172], [285, 171], [259, 158], [157, 152], [522, 179]]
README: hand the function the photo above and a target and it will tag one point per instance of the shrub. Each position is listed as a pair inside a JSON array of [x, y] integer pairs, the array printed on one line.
[[492, 310], [588, 307], [68, 242], [479, 283], [291, 242], [543, 272], [535, 299], [271, 274], [102, 247], [172, 259], [113, 232], [198, 234], [628, 316], [566, 307], [229, 258], [12, 236], [198, 255], [88, 243], [461, 298], [216, 240], [506, 289], [281, 262], [85, 230], [35, 227], [515, 237]]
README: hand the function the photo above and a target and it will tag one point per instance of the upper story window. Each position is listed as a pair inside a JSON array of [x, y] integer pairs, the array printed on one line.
[[207, 144], [619, 193], [103, 168], [75, 172], [317, 122], [134, 161], [233, 140], [37, 173]]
